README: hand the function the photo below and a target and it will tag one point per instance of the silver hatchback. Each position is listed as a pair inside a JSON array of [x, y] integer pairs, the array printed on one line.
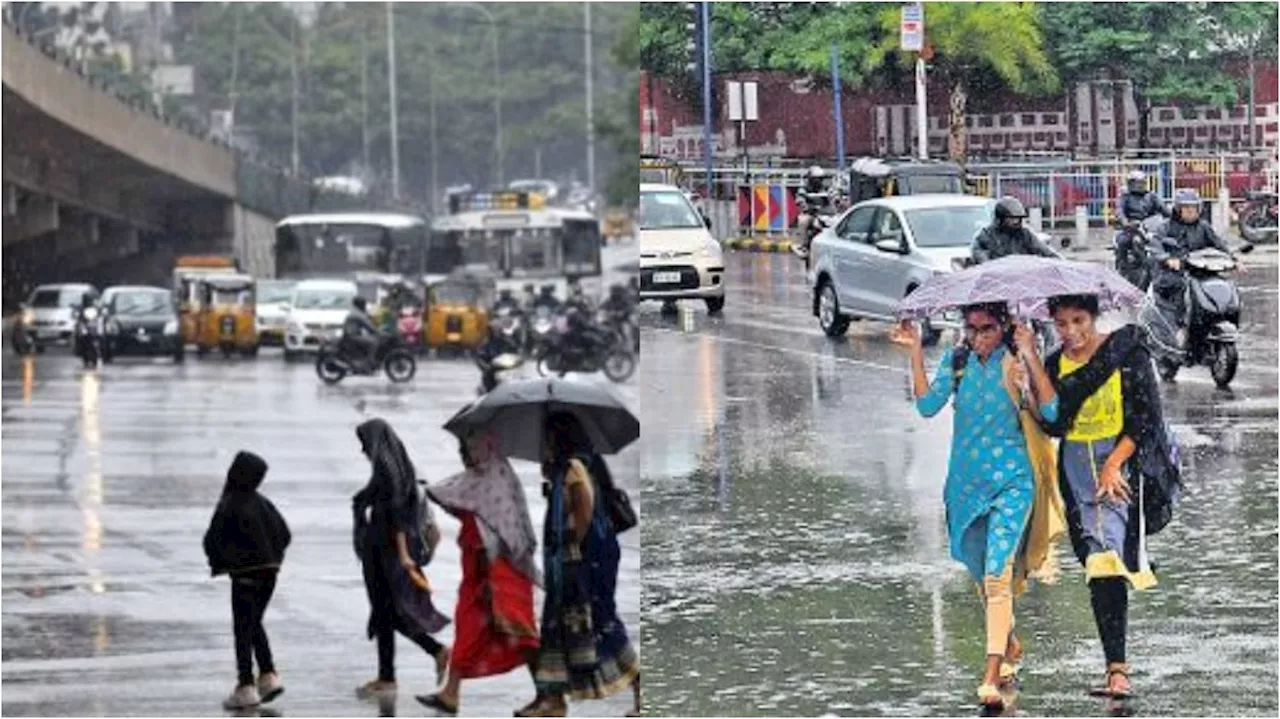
[[881, 250]]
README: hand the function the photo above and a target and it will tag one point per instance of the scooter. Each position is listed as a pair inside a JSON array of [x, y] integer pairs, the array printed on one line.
[[23, 343], [88, 336], [1132, 247], [491, 370], [1207, 332]]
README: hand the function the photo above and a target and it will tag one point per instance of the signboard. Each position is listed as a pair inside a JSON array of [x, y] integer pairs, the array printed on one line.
[[744, 101], [913, 27]]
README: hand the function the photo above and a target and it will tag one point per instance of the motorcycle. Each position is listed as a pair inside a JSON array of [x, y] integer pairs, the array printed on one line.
[[622, 321], [1207, 332], [88, 336], [23, 343], [1133, 258], [509, 325], [335, 362], [490, 370], [813, 220], [586, 349], [1258, 221], [543, 326]]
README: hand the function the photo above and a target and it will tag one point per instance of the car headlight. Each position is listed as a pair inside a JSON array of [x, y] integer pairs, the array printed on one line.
[[712, 249], [958, 263], [171, 327], [28, 317], [296, 328]]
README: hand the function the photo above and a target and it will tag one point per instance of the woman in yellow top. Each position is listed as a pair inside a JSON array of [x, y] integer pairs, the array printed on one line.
[[1113, 436]]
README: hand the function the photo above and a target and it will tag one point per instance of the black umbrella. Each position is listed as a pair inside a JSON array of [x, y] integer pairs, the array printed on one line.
[[516, 412]]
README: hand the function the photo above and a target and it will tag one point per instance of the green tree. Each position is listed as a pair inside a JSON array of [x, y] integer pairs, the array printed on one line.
[[620, 121], [972, 42]]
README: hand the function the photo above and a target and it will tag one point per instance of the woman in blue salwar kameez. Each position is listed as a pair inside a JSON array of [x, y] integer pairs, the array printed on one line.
[[991, 485]]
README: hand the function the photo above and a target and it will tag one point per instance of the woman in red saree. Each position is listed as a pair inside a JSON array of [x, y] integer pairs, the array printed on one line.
[[495, 627]]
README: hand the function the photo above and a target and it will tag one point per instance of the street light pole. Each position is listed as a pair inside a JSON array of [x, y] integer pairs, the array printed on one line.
[[432, 76], [391, 84], [293, 71], [499, 149], [364, 93], [706, 92], [591, 117]]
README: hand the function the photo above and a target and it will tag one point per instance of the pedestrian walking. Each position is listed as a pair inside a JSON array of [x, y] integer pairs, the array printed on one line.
[[1119, 470], [495, 630], [585, 652], [247, 539], [991, 484], [390, 544]]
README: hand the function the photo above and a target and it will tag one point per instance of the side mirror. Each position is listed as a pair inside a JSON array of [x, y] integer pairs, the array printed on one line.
[[1246, 248], [706, 221], [1065, 241], [890, 245]]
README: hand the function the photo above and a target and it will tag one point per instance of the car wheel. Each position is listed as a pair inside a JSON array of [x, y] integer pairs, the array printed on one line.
[[715, 305], [829, 318], [668, 308]]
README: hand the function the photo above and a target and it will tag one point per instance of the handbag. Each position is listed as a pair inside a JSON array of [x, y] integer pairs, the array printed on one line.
[[621, 514]]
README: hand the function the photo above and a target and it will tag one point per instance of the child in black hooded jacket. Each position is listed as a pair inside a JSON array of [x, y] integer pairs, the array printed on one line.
[[247, 539]]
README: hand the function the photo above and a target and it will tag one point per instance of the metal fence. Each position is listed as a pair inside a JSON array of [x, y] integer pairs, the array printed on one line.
[[760, 202]]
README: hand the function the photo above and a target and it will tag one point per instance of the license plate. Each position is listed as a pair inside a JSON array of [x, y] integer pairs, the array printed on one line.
[[144, 338], [666, 278]]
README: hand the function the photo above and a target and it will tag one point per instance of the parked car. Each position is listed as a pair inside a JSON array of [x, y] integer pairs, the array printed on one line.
[[141, 321], [679, 259], [317, 310], [49, 314], [273, 310], [881, 250]]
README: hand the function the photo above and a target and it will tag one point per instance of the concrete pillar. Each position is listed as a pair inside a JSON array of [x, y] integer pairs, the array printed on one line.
[[1035, 218], [1082, 227], [37, 216], [1222, 212]]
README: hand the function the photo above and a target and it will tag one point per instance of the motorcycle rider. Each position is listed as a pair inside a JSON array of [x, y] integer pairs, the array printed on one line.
[[1191, 232], [1136, 204], [360, 335], [1007, 236], [815, 200]]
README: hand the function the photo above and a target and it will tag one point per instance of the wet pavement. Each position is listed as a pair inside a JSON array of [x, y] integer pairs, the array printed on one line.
[[795, 556], [110, 478]]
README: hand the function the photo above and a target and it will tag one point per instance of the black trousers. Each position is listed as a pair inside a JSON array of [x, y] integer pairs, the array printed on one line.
[[1110, 599], [250, 594], [387, 621]]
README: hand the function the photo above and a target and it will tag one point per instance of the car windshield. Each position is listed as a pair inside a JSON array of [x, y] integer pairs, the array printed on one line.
[[269, 292], [929, 184], [667, 211], [56, 298], [948, 226], [455, 294], [323, 299], [142, 303]]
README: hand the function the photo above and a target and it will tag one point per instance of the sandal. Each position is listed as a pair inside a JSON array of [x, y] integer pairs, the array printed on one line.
[[1012, 663], [375, 689], [1106, 691], [543, 707], [989, 696], [442, 664], [434, 701]]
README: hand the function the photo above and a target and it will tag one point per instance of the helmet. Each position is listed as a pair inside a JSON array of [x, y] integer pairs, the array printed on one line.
[[1136, 180], [1010, 208], [816, 173], [360, 303], [1186, 197]]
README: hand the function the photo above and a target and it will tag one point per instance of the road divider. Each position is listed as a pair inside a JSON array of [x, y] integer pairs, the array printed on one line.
[[756, 244]]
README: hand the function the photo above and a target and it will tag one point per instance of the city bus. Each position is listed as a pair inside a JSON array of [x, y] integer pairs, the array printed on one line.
[[517, 239], [356, 246]]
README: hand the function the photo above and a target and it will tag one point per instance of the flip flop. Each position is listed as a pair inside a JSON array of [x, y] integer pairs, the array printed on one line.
[[1105, 691], [433, 701]]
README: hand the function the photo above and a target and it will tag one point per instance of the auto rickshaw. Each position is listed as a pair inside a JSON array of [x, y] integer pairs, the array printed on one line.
[[227, 315], [617, 224], [457, 315]]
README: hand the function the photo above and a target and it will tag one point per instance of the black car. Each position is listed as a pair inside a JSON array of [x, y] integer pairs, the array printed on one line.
[[141, 322]]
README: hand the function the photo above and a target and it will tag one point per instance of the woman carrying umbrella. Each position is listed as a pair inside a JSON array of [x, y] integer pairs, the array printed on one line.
[[991, 482], [585, 651], [390, 547], [495, 626], [1109, 415]]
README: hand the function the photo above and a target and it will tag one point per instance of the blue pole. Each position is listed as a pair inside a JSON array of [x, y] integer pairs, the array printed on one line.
[[706, 92], [835, 88]]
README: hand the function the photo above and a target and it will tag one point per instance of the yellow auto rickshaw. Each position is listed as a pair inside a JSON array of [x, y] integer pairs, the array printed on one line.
[[227, 317], [457, 314]]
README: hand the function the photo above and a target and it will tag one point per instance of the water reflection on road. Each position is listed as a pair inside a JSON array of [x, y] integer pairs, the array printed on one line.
[[794, 547]]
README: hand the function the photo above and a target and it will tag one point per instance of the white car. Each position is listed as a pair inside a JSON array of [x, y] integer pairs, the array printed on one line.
[[317, 310], [881, 250], [679, 259], [272, 312], [49, 313]]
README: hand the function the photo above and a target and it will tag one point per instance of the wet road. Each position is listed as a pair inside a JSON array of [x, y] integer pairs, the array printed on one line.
[[795, 557], [109, 482]]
